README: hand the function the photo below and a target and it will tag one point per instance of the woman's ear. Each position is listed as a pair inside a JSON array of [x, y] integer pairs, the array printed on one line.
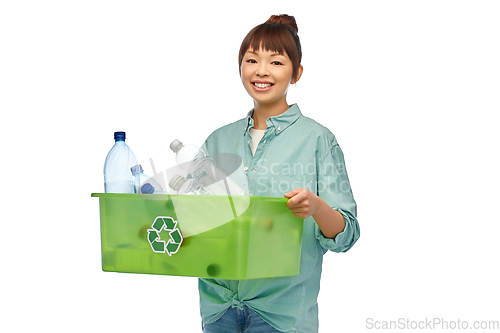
[[299, 74]]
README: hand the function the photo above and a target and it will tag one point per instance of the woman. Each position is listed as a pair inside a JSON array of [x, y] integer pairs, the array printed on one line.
[[284, 154]]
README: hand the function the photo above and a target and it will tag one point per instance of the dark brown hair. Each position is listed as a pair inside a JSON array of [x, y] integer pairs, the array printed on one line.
[[277, 34]]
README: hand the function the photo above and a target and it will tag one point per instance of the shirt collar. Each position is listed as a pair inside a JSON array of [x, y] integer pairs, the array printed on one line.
[[279, 122]]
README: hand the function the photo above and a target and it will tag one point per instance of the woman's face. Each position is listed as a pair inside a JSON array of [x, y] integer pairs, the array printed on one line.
[[266, 76]]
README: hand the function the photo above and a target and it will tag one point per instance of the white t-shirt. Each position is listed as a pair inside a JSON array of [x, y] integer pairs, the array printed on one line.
[[256, 137]]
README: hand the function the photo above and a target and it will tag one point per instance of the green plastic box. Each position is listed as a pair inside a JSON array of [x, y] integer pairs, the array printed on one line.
[[222, 237]]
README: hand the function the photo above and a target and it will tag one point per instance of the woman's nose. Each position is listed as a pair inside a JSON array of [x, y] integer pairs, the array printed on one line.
[[262, 70]]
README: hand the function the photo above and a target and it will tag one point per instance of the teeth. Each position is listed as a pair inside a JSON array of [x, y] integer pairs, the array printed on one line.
[[262, 85]]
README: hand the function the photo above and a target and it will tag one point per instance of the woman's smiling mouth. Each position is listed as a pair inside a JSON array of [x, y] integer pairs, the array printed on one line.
[[262, 86]]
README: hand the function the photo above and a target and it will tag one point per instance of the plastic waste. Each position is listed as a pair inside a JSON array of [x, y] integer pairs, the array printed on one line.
[[145, 184], [187, 186], [215, 179], [117, 175], [205, 171], [185, 155]]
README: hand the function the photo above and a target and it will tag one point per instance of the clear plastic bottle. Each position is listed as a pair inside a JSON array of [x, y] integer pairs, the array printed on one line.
[[145, 184], [187, 186], [117, 175], [206, 172], [186, 154], [215, 179]]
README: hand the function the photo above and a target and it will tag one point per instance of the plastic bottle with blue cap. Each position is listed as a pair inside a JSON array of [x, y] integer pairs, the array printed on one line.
[[145, 184], [117, 175]]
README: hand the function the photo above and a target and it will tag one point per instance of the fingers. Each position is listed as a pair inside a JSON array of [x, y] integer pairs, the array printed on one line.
[[296, 197], [292, 193], [300, 213], [299, 200]]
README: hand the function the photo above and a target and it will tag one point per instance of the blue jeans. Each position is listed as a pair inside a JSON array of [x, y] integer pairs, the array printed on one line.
[[236, 320]]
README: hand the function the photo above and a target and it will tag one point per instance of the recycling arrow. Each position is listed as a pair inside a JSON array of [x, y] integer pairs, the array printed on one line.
[[172, 245], [158, 246], [152, 235]]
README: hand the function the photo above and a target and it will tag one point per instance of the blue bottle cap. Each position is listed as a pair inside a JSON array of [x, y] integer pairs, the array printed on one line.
[[147, 188], [136, 169], [119, 136]]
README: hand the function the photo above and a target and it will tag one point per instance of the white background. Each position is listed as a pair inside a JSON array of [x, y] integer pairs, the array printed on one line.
[[409, 88]]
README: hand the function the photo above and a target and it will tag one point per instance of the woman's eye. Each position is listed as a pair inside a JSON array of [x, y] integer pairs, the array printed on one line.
[[276, 63], [251, 61]]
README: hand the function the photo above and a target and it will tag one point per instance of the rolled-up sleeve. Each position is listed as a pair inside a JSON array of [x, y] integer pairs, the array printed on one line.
[[334, 188]]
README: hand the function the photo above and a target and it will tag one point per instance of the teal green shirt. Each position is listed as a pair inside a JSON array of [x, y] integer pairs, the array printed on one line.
[[295, 151]]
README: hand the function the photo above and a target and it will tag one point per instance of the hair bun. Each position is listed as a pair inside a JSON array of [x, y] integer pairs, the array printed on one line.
[[284, 19]]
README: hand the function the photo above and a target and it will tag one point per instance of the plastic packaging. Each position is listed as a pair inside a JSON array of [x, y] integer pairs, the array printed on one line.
[[187, 186], [117, 175], [185, 155], [145, 184], [205, 171], [215, 179]]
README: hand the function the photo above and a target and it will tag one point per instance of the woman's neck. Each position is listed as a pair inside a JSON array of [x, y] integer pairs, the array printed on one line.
[[263, 112]]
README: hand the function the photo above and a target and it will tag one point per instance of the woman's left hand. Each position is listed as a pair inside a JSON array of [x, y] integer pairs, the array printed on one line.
[[302, 202]]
